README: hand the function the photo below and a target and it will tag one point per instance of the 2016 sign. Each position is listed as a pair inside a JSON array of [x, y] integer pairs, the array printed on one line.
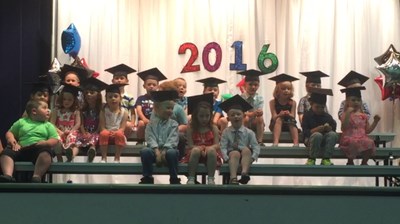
[[238, 65]]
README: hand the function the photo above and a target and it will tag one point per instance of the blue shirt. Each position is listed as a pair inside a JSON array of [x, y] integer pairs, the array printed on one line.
[[162, 134], [246, 138]]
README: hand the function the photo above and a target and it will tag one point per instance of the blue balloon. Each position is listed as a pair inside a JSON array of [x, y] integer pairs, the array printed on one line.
[[71, 41]]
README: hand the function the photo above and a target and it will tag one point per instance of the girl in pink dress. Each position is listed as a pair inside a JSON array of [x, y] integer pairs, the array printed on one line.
[[355, 127], [67, 120], [202, 138]]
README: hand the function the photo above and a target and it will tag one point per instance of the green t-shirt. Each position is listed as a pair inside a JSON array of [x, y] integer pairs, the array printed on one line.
[[28, 132]]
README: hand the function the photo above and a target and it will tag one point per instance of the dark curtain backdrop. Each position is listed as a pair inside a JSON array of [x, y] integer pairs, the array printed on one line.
[[25, 53]]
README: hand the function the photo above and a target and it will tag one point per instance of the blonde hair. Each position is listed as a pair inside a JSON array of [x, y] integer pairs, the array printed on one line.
[[277, 90]]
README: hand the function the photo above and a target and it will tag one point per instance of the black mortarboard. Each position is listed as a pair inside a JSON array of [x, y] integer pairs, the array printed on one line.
[[114, 88], [235, 102], [152, 73], [94, 84], [80, 72], [193, 101], [211, 82], [314, 76], [120, 70], [283, 78], [163, 95], [251, 75], [318, 95], [71, 89], [39, 86], [354, 91], [352, 78]]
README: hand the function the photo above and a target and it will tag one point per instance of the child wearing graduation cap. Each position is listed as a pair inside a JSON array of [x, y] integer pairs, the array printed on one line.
[[40, 92], [120, 76], [254, 118], [319, 128], [202, 138], [313, 80], [67, 120], [211, 86], [112, 123], [89, 130], [31, 139], [283, 109], [355, 128], [353, 79], [162, 138], [238, 143], [144, 103]]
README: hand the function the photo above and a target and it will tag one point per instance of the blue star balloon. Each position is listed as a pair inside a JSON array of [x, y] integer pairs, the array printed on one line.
[[71, 41]]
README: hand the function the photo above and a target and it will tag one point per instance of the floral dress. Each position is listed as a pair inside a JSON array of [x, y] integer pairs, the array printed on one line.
[[66, 121], [90, 120]]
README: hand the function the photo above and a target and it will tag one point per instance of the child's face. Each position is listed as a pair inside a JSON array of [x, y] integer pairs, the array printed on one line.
[[40, 96], [235, 116], [203, 116], [251, 87], [150, 85], [72, 79], [318, 109], [285, 89], [354, 101], [120, 79], [67, 100], [91, 95], [164, 109], [41, 113], [113, 99], [181, 84], [310, 85], [213, 90]]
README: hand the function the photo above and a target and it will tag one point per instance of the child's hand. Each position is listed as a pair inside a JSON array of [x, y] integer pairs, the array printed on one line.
[[66, 133], [112, 133], [377, 118], [350, 109], [158, 158], [259, 113], [14, 145], [327, 128]]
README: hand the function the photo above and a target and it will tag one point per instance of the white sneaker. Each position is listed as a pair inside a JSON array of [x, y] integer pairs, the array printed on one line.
[[103, 161], [211, 181], [190, 181]]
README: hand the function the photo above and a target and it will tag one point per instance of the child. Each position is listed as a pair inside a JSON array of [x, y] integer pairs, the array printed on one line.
[[355, 127], [162, 138], [211, 86], [319, 128], [313, 80], [120, 76], [113, 118], [73, 76], [89, 130], [238, 143], [283, 109], [67, 120], [254, 118], [144, 103], [202, 137], [30, 139], [353, 79], [182, 87], [40, 92]]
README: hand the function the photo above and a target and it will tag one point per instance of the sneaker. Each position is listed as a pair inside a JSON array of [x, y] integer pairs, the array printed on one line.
[[296, 145], [310, 162], [36, 180], [6, 179], [175, 180], [190, 181], [244, 179], [233, 181], [91, 154], [103, 161], [68, 154], [326, 162], [211, 180], [147, 180]]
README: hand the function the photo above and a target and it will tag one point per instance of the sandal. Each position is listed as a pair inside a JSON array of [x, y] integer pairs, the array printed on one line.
[[244, 179], [233, 181]]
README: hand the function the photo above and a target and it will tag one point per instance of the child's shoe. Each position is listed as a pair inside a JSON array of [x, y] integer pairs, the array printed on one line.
[[6, 179], [147, 180], [211, 180], [244, 179], [190, 181], [326, 162], [233, 181], [68, 154], [310, 162], [91, 154], [175, 180], [36, 179]]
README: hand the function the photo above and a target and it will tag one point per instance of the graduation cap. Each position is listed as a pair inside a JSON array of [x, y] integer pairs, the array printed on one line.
[[39, 86], [314, 76], [152, 73], [283, 78], [163, 95], [211, 82], [194, 101], [354, 91], [353, 78], [114, 88], [94, 84], [71, 89], [120, 70], [80, 72], [318, 95], [251, 75], [235, 102]]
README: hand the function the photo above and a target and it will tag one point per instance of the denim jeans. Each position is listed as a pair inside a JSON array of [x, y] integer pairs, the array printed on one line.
[[148, 157], [322, 145]]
